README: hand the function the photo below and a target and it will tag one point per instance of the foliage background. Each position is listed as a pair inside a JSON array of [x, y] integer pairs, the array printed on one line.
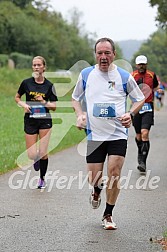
[[30, 28]]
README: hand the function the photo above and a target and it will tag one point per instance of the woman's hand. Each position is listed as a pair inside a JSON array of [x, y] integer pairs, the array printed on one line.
[[39, 98], [27, 108]]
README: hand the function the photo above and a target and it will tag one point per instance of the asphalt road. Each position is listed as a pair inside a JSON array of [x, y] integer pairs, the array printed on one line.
[[59, 218]]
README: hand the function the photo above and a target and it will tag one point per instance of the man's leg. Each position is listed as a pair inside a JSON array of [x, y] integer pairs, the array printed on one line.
[[145, 146], [115, 164], [139, 145], [147, 122], [96, 154], [95, 171]]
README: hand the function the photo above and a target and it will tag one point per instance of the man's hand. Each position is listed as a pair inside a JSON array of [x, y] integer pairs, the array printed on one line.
[[160, 91], [126, 120], [81, 122]]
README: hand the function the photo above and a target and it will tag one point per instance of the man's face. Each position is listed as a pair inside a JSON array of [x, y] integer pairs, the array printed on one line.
[[104, 55], [141, 68]]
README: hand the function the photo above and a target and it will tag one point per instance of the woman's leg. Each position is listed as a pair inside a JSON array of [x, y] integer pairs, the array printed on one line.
[[31, 145], [44, 135]]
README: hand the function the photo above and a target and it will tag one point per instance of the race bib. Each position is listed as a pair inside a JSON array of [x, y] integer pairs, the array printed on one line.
[[146, 108], [106, 110], [37, 111]]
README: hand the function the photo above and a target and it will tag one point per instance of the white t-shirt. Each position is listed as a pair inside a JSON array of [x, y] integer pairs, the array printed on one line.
[[105, 94]]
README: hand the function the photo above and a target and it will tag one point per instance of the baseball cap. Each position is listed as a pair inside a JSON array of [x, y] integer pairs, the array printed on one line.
[[141, 59]]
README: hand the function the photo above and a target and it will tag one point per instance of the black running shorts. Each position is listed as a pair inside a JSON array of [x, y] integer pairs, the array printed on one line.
[[33, 125], [143, 121], [97, 150]]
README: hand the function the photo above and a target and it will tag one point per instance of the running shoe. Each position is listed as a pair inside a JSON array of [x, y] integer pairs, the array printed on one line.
[[142, 167], [107, 223], [36, 165], [95, 200], [41, 184]]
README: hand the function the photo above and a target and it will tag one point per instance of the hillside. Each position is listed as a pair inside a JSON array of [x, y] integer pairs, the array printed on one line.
[[129, 47]]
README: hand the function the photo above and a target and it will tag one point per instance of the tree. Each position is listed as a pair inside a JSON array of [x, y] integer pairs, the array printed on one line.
[[19, 3], [22, 4], [162, 12], [33, 29], [41, 4]]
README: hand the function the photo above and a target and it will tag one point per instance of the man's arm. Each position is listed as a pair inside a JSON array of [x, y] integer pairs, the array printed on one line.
[[136, 106], [126, 119], [156, 84], [81, 116], [77, 107]]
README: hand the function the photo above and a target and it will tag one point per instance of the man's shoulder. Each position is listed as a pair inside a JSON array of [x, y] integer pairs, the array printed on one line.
[[134, 73], [151, 73], [122, 70], [86, 71]]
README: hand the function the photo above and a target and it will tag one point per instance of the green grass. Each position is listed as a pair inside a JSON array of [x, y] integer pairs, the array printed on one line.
[[12, 143], [165, 234]]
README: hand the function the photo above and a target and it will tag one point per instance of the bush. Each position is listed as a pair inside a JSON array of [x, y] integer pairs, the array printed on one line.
[[4, 60], [21, 61]]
